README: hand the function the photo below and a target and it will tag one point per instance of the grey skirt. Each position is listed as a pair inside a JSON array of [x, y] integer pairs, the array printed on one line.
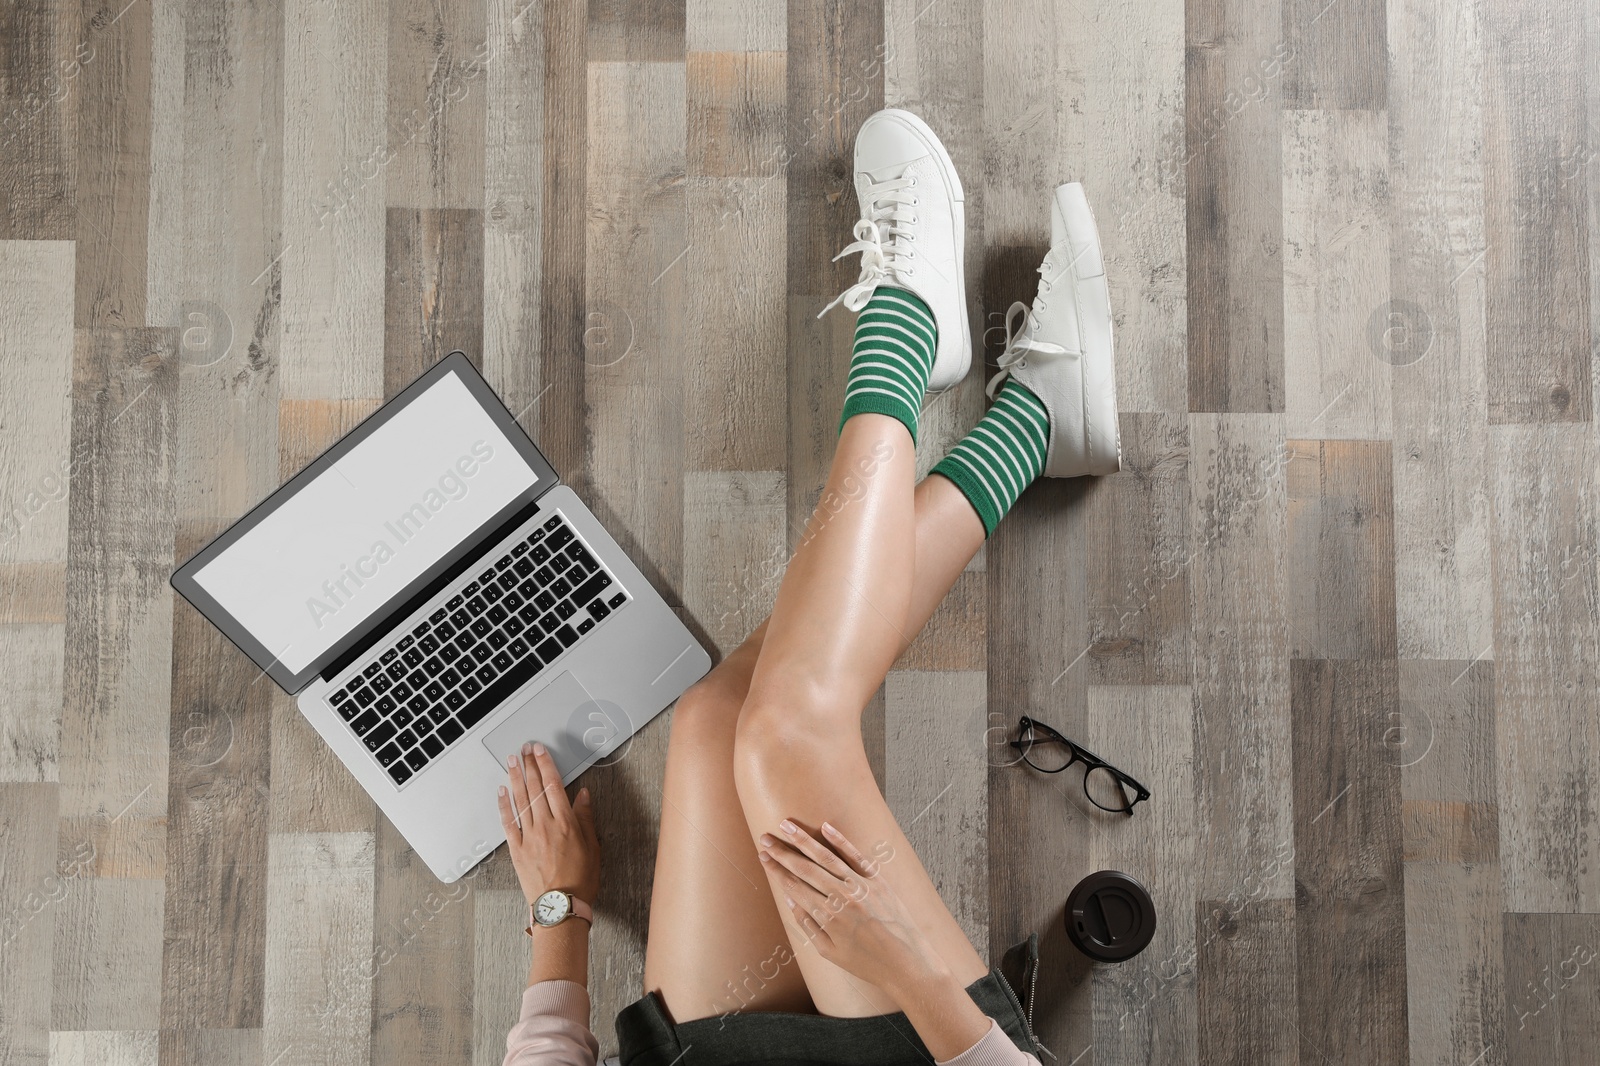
[[647, 1037]]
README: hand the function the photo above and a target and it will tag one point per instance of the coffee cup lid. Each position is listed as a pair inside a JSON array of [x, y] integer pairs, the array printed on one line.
[[1110, 916]]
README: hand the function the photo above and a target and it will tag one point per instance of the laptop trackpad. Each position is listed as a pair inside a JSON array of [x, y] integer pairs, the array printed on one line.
[[564, 718]]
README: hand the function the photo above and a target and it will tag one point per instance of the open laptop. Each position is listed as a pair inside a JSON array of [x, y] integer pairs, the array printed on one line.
[[437, 597]]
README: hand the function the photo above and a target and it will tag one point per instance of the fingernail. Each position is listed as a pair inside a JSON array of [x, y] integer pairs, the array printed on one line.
[[538, 748], [766, 840], [789, 901], [502, 790], [829, 829], [583, 793], [765, 857], [511, 761], [788, 827], [527, 749]]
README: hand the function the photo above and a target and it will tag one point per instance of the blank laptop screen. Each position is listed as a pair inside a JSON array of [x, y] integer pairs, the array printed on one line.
[[357, 535]]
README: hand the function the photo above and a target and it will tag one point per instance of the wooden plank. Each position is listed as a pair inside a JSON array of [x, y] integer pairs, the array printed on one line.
[[1144, 1008], [335, 168], [112, 158], [636, 30], [31, 889], [217, 818], [1434, 330], [140, 1047], [107, 956], [436, 107], [736, 113], [1233, 180], [499, 972], [513, 221], [422, 989], [1139, 538], [1547, 737], [734, 402], [1335, 227], [1245, 976], [1348, 878], [43, 53], [563, 320], [1341, 548], [731, 520], [1340, 54], [935, 725], [834, 84], [634, 391], [1117, 94], [1550, 987], [30, 731], [1239, 586], [319, 951], [955, 638], [433, 290], [211, 1047], [1443, 741], [116, 699], [1535, 219], [35, 593]]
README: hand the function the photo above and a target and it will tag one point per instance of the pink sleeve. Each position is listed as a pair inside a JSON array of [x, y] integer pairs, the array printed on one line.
[[994, 1048], [554, 1028]]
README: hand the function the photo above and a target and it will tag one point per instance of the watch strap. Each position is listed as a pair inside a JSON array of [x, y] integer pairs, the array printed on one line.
[[578, 909]]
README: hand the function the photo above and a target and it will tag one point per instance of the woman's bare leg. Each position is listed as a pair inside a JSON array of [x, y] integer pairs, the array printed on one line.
[[717, 942], [841, 617]]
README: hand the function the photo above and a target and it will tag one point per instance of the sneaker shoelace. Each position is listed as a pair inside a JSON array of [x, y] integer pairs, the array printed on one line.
[[1020, 339], [884, 238]]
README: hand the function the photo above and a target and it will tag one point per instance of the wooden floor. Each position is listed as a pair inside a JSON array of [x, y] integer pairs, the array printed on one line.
[[1340, 609]]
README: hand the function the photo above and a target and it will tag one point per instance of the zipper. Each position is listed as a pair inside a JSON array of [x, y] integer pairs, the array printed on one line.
[[1033, 984]]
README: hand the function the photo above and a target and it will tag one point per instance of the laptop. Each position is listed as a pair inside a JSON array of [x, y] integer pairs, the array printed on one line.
[[436, 597]]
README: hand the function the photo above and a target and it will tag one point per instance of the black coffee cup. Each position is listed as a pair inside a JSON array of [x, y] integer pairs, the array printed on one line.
[[1110, 916]]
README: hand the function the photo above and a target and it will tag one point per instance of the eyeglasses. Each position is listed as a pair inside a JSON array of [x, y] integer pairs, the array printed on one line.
[[1048, 751]]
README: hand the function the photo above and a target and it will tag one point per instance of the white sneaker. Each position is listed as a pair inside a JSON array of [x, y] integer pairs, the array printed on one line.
[[1062, 352], [911, 231]]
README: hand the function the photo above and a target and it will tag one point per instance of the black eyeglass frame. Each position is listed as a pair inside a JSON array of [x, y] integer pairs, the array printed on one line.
[[1079, 753]]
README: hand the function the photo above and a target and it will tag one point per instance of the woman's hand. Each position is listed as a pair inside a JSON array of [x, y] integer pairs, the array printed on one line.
[[552, 841], [848, 911]]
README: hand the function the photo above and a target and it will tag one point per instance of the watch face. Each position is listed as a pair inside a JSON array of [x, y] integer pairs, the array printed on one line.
[[551, 908]]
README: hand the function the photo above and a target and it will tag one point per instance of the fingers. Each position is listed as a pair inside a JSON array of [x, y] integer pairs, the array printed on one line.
[[796, 890], [809, 925], [508, 817], [860, 863], [815, 850], [803, 868], [583, 809], [519, 791], [542, 773]]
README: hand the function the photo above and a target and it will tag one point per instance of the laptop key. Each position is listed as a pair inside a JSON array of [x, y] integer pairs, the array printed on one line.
[[437, 616], [401, 692], [482, 626], [513, 626], [585, 625], [470, 687], [476, 606], [523, 568], [379, 736], [497, 614], [339, 697], [565, 610], [428, 645], [544, 575], [567, 636], [597, 610], [444, 630], [512, 602], [486, 674], [592, 587], [559, 538], [449, 653], [520, 549], [432, 745], [417, 704], [366, 722], [405, 643], [618, 600], [549, 649], [348, 710], [438, 714], [529, 613], [389, 656], [416, 758], [503, 563], [498, 639], [406, 738], [414, 657], [461, 619], [422, 726], [470, 589], [481, 653], [545, 600], [455, 602], [466, 639], [528, 589], [578, 571], [517, 649], [454, 700], [486, 577], [381, 684], [423, 628], [365, 697], [560, 563], [434, 692], [553, 523], [385, 705], [502, 661], [372, 670], [449, 679], [540, 554], [450, 732], [401, 718], [416, 679], [560, 586], [549, 622], [388, 755], [433, 666], [493, 593], [508, 580], [396, 671]]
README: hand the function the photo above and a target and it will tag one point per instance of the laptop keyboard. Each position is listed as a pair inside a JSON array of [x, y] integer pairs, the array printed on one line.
[[421, 693]]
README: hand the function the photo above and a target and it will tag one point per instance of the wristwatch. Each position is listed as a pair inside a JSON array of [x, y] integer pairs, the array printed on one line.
[[555, 907]]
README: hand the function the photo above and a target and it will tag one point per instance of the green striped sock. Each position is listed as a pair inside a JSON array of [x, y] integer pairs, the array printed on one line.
[[895, 338], [1002, 455]]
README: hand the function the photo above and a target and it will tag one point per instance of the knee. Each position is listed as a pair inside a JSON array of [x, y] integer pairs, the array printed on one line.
[[708, 711], [786, 725]]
